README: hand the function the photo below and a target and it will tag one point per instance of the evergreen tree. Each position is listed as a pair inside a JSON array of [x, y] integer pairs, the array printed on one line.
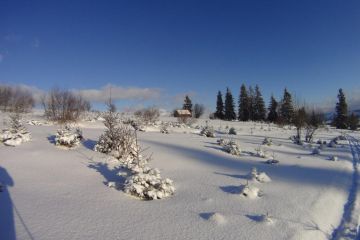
[[259, 105], [244, 113], [219, 106], [287, 108], [187, 104], [273, 114], [353, 121], [251, 100], [341, 111], [229, 106]]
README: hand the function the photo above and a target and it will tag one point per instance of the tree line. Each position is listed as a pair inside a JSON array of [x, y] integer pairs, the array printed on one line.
[[251, 107]]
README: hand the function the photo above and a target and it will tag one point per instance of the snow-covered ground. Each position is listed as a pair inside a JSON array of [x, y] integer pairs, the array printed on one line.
[[55, 193]]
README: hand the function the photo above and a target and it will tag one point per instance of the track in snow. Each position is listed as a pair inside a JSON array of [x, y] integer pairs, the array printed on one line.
[[349, 226]]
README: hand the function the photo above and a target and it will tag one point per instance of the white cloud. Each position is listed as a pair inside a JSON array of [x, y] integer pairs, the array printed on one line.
[[118, 93]]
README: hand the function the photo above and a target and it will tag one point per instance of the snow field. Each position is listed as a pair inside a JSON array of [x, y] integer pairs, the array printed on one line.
[[63, 194]]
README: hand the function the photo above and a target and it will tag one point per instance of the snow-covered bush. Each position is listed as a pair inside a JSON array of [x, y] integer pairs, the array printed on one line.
[[316, 151], [259, 176], [164, 129], [68, 137], [232, 131], [118, 139], [267, 141], [332, 144], [149, 185], [334, 158], [222, 141], [208, 132], [16, 134], [232, 148], [261, 153]]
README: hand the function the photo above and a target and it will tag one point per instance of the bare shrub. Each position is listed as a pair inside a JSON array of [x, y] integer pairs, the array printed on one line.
[[198, 110], [314, 122], [148, 115], [15, 99], [64, 106]]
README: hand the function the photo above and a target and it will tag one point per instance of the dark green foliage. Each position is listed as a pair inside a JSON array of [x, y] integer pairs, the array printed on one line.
[[259, 105], [341, 112], [287, 108], [353, 121], [251, 99], [229, 106], [273, 114], [244, 114], [219, 107], [187, 104]]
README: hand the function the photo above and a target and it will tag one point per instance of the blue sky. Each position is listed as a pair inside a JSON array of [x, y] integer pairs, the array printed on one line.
[[170, 48]]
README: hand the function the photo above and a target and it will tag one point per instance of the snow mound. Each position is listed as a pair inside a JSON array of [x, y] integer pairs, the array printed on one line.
[[261, 177], [35, 123], [149, 185], [232, 131], [68, 138], [333, 158], [249, 191], [217, 218]]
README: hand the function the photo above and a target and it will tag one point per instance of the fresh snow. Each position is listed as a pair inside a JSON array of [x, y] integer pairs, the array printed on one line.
[[48, 193]]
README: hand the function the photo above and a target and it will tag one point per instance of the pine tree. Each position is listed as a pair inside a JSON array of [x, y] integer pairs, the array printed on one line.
[[259, 105], [244, 113], [273, 114], [287, 108], [353, 121], [229, 106], [219, 106], [251, 100], [187, 104], [341, 115]]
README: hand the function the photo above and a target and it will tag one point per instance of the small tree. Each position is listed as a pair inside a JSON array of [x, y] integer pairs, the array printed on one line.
[[229, 106], [341, 112], [219, 107], [187, 104], [273, 107], [353, 121], [199, 110]]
